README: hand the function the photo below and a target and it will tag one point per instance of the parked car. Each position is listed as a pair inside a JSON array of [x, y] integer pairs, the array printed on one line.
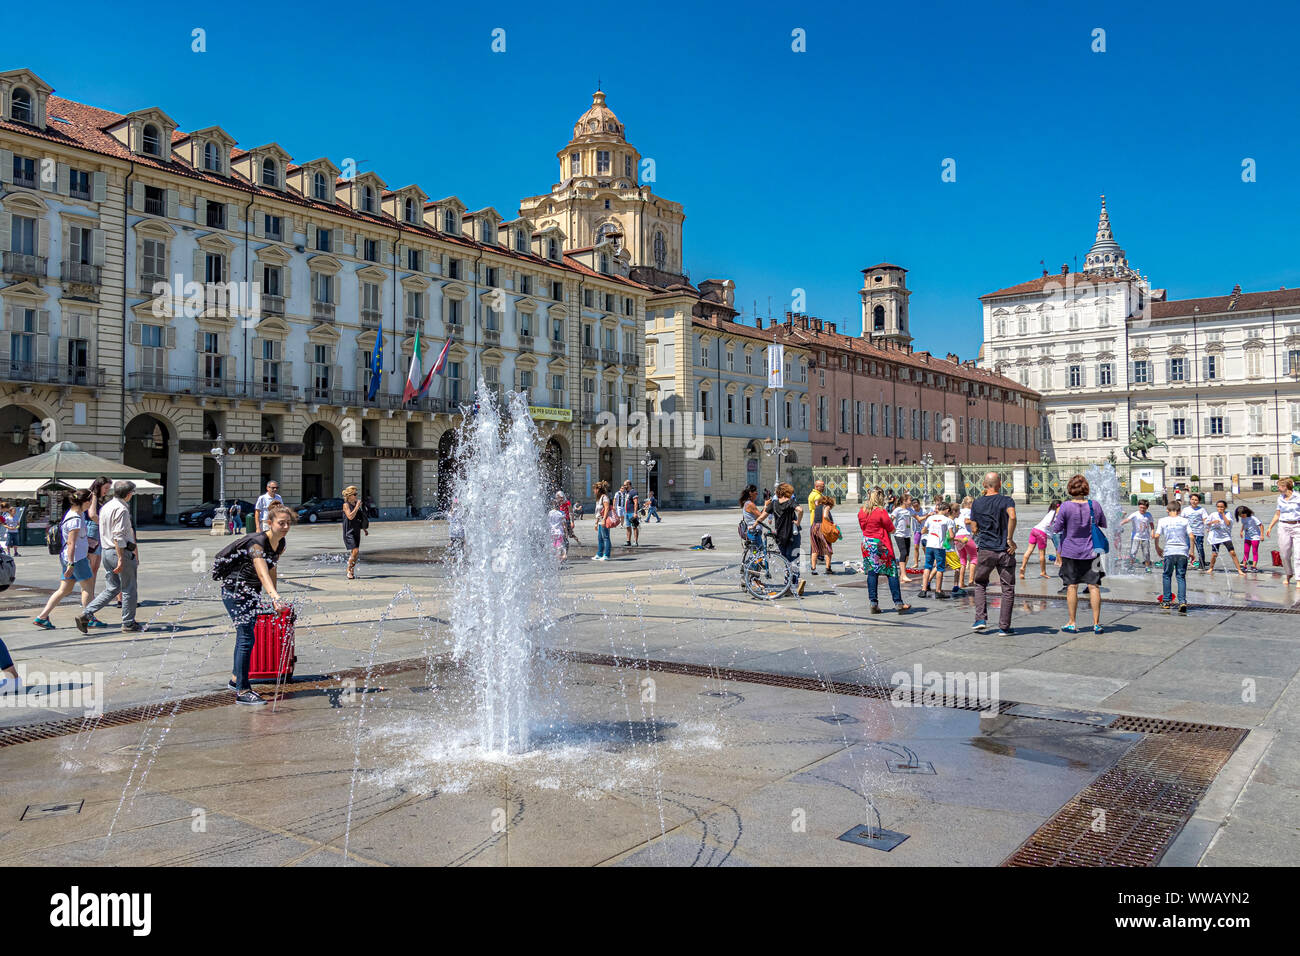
[[200, 516], [321, 509]]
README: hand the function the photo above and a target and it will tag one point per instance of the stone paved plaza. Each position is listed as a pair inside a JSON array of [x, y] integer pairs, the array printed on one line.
[[717, 768]]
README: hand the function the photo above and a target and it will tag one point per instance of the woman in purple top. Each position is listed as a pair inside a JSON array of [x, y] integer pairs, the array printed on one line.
[[1079, 561]]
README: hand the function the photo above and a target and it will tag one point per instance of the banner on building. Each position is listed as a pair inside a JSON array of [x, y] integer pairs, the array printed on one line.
[[776, 366]]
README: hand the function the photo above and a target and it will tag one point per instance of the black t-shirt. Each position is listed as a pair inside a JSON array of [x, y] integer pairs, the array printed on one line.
[[243, 579], [989, 512], [783, 514]]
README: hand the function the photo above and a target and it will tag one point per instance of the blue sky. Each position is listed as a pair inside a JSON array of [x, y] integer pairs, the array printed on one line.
[[796, 169]]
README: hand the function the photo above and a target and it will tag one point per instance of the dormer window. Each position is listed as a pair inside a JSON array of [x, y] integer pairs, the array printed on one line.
[[20, 106], [269, 173], [319, 188], [485, 230], [521, 241], [211, 157], [449, 223], [367, 199], [552, 250], [410, 210], [152, 140], [604, 263]]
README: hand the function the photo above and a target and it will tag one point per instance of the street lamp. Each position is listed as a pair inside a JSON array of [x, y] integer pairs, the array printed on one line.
[[875, 471], [777, 447], [220, 452], [648, 464]]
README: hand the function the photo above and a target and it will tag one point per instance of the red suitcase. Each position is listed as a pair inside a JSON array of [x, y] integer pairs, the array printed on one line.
[[273, 651]]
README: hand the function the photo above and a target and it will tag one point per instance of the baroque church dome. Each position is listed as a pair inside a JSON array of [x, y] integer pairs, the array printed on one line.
[[598, 120]]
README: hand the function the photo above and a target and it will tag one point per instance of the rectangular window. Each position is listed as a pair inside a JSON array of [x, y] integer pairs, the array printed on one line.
[[414, 304], [1107, 428], [1211, 368], [557, 291], [731, 409], [1075, 376], [1141, 372], [627, 166], [414, 260], [216, 215], [526, 284], [1216, 424], [453, 268], [212, 358], [270, 366], [323, 287], [749, 410], [575, 164], [79, 184], [79, 245], [1177, 427], [153, 260], [731, 360], [602, 162], [1256, 466], [273, 226], [324, 237], [155, 201], [492, 276], [1177, 369], [1105, 374], [370, 250], [22, 232], [453, 312], [214, 268]]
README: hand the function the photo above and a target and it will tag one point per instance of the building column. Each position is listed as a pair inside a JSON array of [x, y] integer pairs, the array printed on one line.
[[952, 483]]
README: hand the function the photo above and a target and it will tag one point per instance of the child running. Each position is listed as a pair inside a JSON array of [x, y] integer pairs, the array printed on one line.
[[1219, 527], [559, 528], [1038, 539], [938, 527], [1173, 536], [1196, 515], [1251, 532], [1143, 522], [920, 511]]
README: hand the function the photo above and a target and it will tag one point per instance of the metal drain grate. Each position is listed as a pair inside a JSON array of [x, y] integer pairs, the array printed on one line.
[[1130, 814], [9, 736]]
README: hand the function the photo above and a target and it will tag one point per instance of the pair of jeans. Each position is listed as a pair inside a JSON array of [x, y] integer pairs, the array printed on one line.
[[791, 554], [895, 590], [1175, 566], [602, 539], [653, 512], [117, 580], [1200, 547], [1004, 562], [242, 609], [6, 661]]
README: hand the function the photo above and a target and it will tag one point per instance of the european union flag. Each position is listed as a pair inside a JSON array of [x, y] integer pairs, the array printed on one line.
[[376, 365]]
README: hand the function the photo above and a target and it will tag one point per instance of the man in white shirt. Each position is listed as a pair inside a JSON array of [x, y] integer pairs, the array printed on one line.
[[264, 503], [121, 561], [1196, 516], [1174, 542]]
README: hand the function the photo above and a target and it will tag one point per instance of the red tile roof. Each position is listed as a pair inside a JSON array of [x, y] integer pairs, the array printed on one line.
[[1213, 305], [1057, 280]]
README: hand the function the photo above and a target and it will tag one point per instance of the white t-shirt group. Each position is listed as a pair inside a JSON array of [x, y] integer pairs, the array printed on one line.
[[903, 519], [1142, 523], [1250, 527], [1219, 527], [1196, 519]]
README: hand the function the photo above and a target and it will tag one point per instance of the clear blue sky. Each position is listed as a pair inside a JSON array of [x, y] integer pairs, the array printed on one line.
[[795, 169]]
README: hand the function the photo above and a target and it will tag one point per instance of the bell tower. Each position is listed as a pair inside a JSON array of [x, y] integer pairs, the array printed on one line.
[[884, 305]]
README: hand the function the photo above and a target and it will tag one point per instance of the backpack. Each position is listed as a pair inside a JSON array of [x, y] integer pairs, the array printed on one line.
[[54, 537], [783, 525], [229, 558]]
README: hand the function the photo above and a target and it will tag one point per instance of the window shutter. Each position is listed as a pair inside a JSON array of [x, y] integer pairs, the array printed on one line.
[[200, 273], [1227, 422], [43, 352], [337, 242], [277, 350], [286, 368], [259, 224], [234, 212], [97, 246], [99, 186], [6, 166], [47, 175], [137, 196], [6, 235], [135, 333], [43, 238], [173, 200], [257, 361], [63, 179]]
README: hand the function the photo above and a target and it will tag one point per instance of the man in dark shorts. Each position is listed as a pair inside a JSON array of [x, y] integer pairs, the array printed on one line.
[[993, 522]]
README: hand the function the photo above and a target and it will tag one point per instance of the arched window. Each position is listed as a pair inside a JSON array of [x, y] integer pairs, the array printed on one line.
[[661, 251], [269, 172], [449, 222], [211, 157], [708, 453], [521, 240], [20, 108], [367, 199], [318, 187], [152, 140], [410, 210], [878, 319]]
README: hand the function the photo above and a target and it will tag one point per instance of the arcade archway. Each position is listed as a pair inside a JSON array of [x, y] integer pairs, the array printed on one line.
[[150, 446]]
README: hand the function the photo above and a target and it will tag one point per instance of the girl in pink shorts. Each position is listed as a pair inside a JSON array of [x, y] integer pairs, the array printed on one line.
[[964, 544], [1038, 539]]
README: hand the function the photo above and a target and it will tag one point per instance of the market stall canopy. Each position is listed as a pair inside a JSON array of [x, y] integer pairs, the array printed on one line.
[[67, 466]]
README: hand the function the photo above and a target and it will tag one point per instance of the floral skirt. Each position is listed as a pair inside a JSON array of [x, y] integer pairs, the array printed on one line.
[[877, 559]]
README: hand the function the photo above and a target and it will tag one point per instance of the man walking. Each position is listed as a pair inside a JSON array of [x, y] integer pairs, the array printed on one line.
[[264, 503], [121, 562], [652, 508], [993, 522]]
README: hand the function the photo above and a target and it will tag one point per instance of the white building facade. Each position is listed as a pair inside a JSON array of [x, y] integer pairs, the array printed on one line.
[[1216, 378]]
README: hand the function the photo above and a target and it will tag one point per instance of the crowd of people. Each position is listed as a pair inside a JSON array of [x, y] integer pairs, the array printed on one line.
[[975, 538]]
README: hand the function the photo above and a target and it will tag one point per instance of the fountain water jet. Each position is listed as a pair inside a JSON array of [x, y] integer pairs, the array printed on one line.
[[507, 572]]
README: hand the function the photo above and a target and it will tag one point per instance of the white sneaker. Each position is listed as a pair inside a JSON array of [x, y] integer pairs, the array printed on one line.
[[10, 685]]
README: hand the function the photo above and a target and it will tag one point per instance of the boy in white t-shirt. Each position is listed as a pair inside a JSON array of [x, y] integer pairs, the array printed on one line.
[[904, 519], [938, 528], [1173, 538], [1143, 522], [1196, 515]]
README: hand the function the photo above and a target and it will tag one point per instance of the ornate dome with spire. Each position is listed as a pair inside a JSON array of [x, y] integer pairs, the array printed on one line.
[[599, 119], [1106, 256]]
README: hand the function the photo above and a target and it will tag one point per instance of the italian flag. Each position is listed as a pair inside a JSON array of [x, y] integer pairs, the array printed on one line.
[[416, 381]]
